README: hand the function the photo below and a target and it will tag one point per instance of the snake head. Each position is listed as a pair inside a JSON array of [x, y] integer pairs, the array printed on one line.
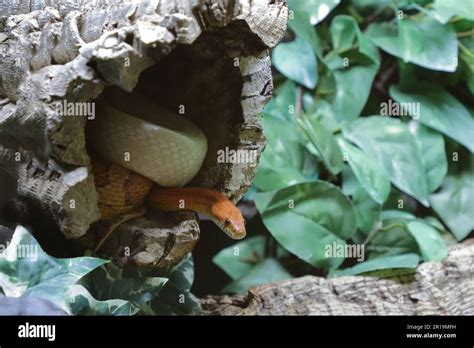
[[234, 227], [210, 203]]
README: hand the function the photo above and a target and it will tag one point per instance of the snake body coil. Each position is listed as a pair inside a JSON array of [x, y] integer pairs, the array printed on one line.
[[155, 147], [167, 149]]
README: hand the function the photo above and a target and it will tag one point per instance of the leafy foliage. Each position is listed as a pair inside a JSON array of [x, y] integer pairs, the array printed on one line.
[[26, 270], [28, 305], [369, 140], [161, 291], [176, 297], [32, 282]]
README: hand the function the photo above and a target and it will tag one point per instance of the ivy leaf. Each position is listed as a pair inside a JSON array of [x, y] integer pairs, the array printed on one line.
[[426, 43], [305, 218], [396, 214], [353, 82], [431, 148], [284, 101], [390, 142], [108, 282], [301, 25], [324, 141], [371, 175], [28, 305], [454, 203], [82, 302], [353, 89], [432, 246], [26, 270], [392, 239], [346, 35], [175, 297], [381, 263], [443, 10], [366, 210], [238, 259], [268, 271], [297, 61], [438, 110], [350, 184], [285, 160]]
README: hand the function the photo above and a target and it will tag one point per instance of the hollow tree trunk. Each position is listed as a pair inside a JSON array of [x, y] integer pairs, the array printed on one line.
[[209, 56]]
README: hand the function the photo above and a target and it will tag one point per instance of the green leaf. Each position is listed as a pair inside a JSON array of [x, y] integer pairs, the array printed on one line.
[[175, 297], [297, 61], [366, 210], [391, 240], [352, 91], [454, 203], [346, 35], [269, 271], [426, 43], [349, 181], [390, 142], [432, 246], [438, 110], [431, 149], [324, 141], [466, 57], [285, 160], [443, 10], [108, 282], [28, 305], [25, 269], [316, 9], [371, 175], [352, 83], [396, 214], [238, 259], [435, 223], [284, 101], [300, 24], [387, 262], [343, 33], [82, 302], [304, 218]]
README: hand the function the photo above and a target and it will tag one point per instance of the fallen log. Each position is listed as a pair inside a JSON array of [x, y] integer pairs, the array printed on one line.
[[434, 288]]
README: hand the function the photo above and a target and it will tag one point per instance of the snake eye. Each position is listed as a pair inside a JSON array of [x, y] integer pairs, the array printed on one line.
[[227, 222]]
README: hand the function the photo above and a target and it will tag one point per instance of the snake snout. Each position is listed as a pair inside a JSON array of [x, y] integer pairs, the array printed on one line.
[[235, 229]]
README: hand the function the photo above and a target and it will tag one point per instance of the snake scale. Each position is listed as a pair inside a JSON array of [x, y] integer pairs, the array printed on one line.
[[143, 153]]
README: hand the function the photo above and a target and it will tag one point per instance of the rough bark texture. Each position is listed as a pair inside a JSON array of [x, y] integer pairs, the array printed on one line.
[[445, 288], [210, 56]]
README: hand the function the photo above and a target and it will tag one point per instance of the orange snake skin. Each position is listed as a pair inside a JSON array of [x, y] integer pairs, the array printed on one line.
[[122, 192]]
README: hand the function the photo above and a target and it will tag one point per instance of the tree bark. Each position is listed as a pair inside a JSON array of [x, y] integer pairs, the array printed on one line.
[[208, 56], [435, 288]]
